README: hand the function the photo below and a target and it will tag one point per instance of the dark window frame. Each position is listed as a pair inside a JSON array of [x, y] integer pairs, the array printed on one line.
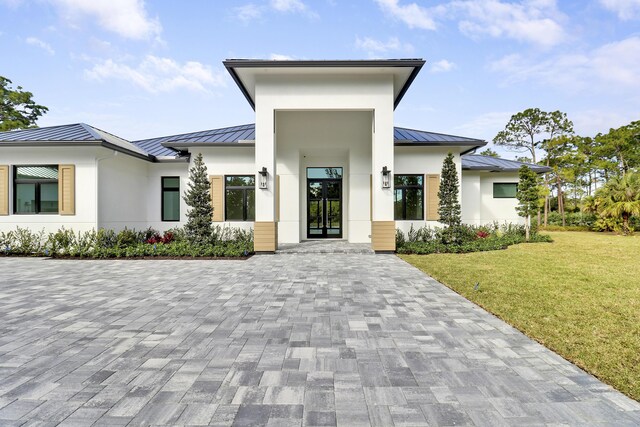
[[403, 189], [244, 189], [164, 189], [503, 183], [37, 183]]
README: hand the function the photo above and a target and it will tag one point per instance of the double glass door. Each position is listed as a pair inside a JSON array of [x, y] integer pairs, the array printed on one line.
[[324, 205]]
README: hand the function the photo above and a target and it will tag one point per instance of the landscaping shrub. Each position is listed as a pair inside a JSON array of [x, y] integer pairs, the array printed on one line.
[[464, 238], [223, 242]]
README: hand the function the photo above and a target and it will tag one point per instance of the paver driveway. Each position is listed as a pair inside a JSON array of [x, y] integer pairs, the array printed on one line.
[[278, 340]]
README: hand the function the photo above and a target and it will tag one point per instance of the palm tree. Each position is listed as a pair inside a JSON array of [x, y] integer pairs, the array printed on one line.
[[620, 198]]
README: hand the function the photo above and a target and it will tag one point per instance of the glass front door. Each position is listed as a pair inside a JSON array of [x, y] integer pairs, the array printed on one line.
[[324, 203]]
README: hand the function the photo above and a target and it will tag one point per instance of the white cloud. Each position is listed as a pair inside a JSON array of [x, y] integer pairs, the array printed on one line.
[[442, 66], [155, 74], [413, 15], [34, 41], [248, 12], [625, 9], [532, 21], [288, 5], [279, 57], [538, 22], [127, 18], [378, 47], [614, 65]]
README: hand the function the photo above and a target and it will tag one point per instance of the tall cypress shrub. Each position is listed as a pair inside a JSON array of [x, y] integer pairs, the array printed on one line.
[[198, 198], [528, 197], [449, 204]]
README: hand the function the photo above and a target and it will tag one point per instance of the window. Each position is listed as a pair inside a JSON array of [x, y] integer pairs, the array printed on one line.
[[35, 189], [408, 201], [170, 198], [505, 190], [240, 198]]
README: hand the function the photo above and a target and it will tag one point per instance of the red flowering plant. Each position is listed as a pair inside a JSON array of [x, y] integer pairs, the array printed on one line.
[[481, 234], [167, 237]]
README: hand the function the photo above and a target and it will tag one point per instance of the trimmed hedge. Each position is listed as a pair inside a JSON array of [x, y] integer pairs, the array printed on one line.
[[463, 239], [227, 242]]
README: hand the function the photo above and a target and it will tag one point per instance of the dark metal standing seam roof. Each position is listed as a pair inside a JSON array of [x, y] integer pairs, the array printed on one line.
[[402, 136], [75, 134], [494, 164], [232, 134]]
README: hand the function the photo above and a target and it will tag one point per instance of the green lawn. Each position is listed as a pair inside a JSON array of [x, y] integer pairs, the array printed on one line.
[[579, 296]]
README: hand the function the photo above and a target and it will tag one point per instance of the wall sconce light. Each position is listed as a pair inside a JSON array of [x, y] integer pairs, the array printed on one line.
[[263, 178], [386, 178]]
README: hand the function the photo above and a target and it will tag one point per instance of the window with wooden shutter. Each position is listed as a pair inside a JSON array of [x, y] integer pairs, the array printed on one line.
[[4, 190], [66, 189], [217, 197], [433, 185]]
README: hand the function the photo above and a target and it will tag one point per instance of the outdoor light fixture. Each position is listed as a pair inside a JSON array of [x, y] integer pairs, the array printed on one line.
[[263, 178], [386, 178]]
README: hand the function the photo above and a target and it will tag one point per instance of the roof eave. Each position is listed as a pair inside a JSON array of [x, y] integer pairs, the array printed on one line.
[[100, 143], [170, 144], [232, 64]]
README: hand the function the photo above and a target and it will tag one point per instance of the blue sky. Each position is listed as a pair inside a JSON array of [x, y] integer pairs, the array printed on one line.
[[142, 69]]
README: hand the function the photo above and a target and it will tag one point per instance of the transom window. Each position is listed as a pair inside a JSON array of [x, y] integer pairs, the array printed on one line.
[[240, 198], [505, 190], [170, 198], [35, 189], [409, 197], [324, 173]]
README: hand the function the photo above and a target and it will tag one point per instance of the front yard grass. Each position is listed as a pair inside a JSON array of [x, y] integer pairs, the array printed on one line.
[[579, 296]]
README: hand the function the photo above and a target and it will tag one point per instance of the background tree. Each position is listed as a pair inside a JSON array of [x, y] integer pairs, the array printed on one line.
[[528, 197], [619, 149], [449, 204], [522, 131], [17, 108], [198, 198], [489, 152]]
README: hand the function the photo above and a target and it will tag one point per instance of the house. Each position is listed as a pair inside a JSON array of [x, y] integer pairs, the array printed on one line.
[[323, 160]]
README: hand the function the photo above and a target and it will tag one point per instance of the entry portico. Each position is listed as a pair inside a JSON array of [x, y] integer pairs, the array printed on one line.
[[324, 133]]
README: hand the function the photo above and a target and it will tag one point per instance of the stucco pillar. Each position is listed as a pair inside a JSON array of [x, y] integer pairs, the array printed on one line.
[[266, 227], [383, 224]]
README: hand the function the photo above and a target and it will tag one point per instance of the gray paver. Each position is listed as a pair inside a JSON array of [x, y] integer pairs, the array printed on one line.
[[340, 338]]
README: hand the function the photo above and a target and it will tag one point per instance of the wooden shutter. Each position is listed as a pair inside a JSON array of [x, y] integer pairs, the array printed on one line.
[[433, 185], [66, 189], [217, 197], [4, 190]]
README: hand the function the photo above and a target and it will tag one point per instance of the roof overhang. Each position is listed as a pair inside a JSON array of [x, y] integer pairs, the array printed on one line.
[[100, 143], [245, 71]]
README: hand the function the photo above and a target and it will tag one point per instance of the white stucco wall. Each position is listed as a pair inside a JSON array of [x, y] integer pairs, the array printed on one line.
[[123, 186], [84, 159], [497, 210], [329, 92], [424, 160], [228, 161]]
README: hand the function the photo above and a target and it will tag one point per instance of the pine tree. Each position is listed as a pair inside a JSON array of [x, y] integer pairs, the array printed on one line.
[[449, 205], [197, 197], [528, 197]]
